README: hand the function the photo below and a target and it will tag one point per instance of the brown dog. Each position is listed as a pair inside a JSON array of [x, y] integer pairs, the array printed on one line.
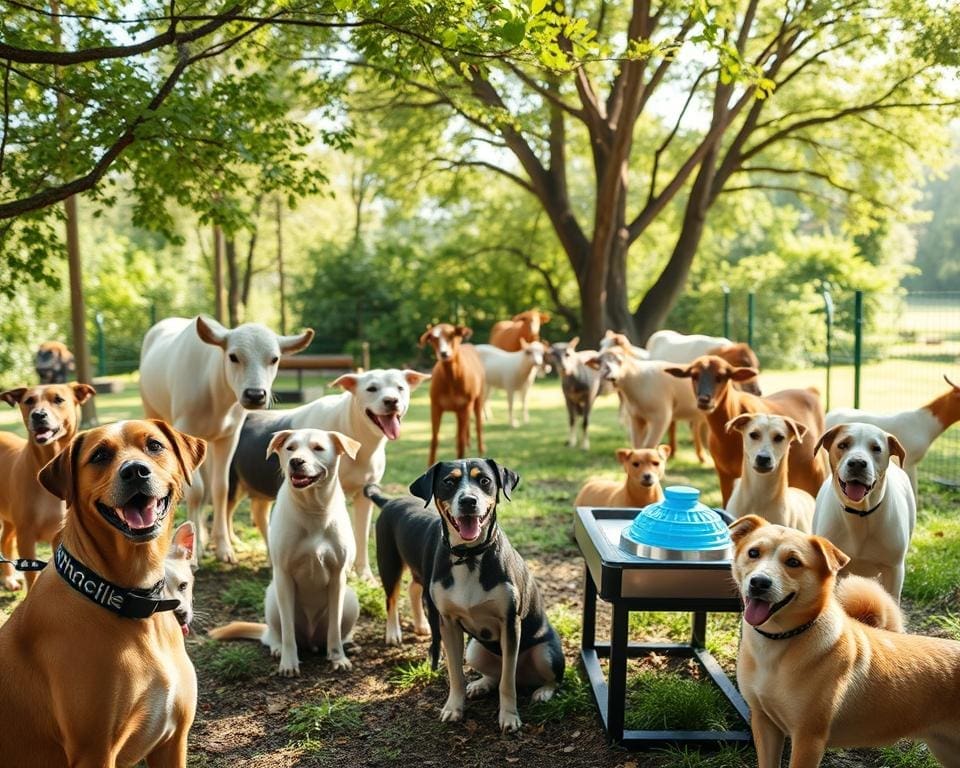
[[644, 468], [811, 669], [93, 668], [28, 513]]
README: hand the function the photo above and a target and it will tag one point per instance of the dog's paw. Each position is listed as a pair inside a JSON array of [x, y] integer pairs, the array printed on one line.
[[509, 722], [585, 445], [480, 687], [452, 712], [367, 575], [421, 629], [545, 693], [289, 668], [393, 636], [12, 584], [340, 663], [225, 553]]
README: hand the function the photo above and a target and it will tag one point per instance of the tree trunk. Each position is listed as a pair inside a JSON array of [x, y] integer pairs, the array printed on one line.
[[218, 309], [233, 281], [280, 272], [78, 320]]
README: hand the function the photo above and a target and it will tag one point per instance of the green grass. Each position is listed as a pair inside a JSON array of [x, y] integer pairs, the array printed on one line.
[[659, 700], [725, 757], [933, 563], [566, 620], [312, 723], [371, 598], [572, 699], [245, 596], [414, 674], [237, 662], [907, 755]]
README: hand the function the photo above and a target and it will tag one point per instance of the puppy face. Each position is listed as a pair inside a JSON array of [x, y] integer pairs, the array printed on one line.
[[766, 438], [711, 375], [565, 356], [859, 457], [383, 396], [445, 339], [645, 465], [251, 357], [310, 456], [785, 577], [178, 574], [466, 494], [123, 479], [50, 412]]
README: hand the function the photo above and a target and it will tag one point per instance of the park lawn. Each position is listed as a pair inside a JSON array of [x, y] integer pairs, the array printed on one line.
[[385, 711]]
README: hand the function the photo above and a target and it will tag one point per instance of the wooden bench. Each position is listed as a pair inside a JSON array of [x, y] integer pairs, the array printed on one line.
[[300, 363]]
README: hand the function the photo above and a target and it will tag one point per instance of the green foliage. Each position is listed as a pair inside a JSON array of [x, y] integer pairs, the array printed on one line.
[[244, 595], [415, 674], [371, 598], [573, 698], [660, 701], [316, 721], [238, 662]]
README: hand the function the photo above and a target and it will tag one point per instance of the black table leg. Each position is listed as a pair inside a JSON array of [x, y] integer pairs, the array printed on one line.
[[617, 688], [588, 635], [698, 637]]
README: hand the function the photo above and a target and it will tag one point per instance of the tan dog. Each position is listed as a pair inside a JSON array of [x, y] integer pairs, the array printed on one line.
[[86, 682], [811, 671], [763, 486], [28, 512], [644, 468]]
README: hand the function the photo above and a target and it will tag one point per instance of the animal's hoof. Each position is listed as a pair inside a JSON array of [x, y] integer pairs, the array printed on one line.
[[509, 722], [451, 714], [12, 584], [543, 694], [341, 664], [479, 688]]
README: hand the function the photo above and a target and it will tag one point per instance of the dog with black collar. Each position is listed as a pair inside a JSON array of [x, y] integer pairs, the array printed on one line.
[[471, 581]]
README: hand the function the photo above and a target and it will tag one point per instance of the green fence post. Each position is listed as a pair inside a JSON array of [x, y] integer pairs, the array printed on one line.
[[857, 345], [101, 346], [828, 313], [726, 311], [750, 297]]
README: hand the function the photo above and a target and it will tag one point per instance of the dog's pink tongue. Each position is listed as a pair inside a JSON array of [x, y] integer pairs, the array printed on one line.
[[140, 517], [185, 629], [756, 611], [855, 491], [469, 527], [390, 424]]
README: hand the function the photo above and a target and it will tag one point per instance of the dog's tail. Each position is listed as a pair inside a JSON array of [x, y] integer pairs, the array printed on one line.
[[239, 630], [869, 603], [375, 493]]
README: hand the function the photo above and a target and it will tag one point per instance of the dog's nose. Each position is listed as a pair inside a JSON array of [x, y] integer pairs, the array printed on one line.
[[703, 400], [391, 402], [856, 464], [39, 416], [468, 502], [132, 470], [255, 396], [763, 460], [297, 463], [760, 583]]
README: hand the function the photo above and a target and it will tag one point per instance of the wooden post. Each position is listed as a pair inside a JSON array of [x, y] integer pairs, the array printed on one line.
[[280, 272], [218, 308]]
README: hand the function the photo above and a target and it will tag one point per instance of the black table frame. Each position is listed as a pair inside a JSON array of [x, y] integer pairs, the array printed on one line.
[[610, 695]]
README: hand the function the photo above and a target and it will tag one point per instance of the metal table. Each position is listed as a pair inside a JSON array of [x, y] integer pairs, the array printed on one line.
[[632, 583]]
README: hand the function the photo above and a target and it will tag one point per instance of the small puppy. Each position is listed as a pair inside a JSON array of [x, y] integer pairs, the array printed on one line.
[[811, 671], [866, 507], [472, 581], [644, 467], [178, 574], [308, 602], [762, 487]]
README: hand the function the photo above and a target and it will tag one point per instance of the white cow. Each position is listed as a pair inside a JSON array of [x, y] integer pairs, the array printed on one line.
[[676, 347], [200, 376], [511, 371]]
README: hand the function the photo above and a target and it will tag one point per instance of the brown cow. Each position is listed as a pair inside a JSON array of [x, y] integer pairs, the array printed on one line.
[[457, 384], [712, 379], [507, 333]]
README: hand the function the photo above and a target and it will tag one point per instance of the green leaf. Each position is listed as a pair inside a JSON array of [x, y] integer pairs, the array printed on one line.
[[514, 31]]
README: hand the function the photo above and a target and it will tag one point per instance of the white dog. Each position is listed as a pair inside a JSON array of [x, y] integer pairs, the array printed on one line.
[[308, 602], [200, 377], [370, 411], [178, 574], [866, 507], [512, 372]]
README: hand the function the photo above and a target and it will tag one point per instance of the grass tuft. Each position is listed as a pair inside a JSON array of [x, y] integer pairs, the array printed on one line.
[[949, 622], [725, 757], [657, 700], [371, 598], [414, 674], [244, 595], [566, 620], [237, 662], [908, 754], [571, 699], [310, 724]]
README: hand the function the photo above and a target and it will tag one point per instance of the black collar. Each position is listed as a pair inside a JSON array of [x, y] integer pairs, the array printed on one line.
[[130, 603], [789, 633], [862, 512]]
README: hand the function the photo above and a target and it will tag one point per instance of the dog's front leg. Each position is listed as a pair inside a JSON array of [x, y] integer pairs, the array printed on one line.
[[807, 751], [452, 636], [892, 580], [336, 590], [362, 512], [286, 594], [767, 738], [510, 650], [173, 752]]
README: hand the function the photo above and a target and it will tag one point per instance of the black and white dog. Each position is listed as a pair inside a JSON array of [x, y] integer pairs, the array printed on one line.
[[471, 581]]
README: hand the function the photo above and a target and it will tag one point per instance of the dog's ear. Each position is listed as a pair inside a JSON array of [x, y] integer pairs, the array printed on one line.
[[290, 345], [58, 475], [348, 381], [507, 479], [343, 444], [798, 430], [424, 337], [623, 454], [742, 374], [184, 538], [896, 448], [680, 373], [593, 362], [544, 317], [82, 392], [572, 344], [463, 332], [833, 558], [211, 332], [738, 422], [414, 378], [13, 396], [664, 450], [827, 438], [741, 528], [422, 487], [277, 441], [189, 450], [524, 344]]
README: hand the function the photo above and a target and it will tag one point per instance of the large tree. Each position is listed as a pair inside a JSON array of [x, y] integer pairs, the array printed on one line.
[[675, 103]]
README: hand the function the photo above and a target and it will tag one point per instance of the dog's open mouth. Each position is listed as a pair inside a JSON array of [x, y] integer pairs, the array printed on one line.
[[45, 434], [183, 621], [140, 518], [855, 490], [388, 423], [756, 611], [469, 526], [305, 481]]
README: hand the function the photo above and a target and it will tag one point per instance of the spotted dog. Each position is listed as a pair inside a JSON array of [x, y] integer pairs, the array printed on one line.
[[472, 581]]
